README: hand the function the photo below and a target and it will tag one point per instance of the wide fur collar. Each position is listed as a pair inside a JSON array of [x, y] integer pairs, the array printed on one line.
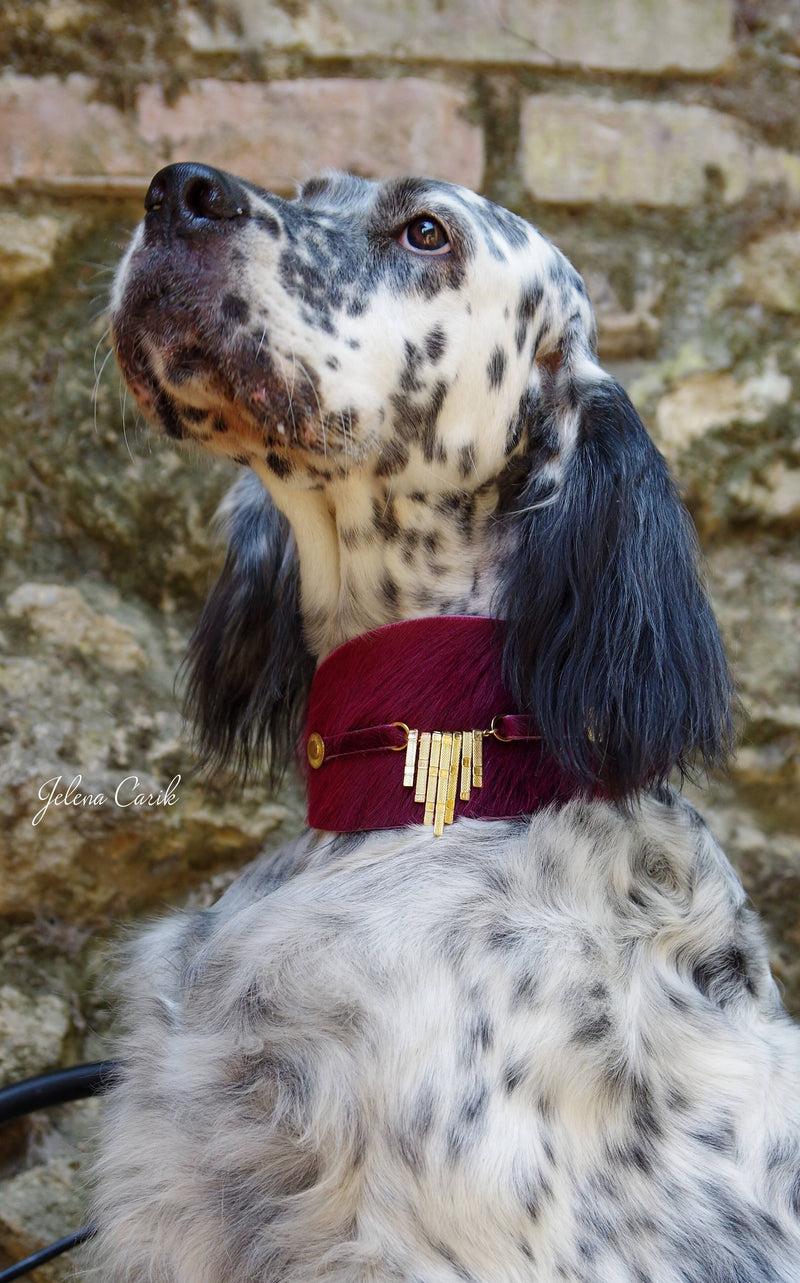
[[441, 675]]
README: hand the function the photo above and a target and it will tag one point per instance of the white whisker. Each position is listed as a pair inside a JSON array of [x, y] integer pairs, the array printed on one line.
[[289, 391], [320, 412]]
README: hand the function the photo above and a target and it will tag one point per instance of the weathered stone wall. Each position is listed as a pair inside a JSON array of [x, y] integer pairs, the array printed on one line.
[[656, 141]]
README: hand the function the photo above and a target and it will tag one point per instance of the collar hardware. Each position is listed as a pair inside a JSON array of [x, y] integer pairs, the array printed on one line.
[[438, 765]]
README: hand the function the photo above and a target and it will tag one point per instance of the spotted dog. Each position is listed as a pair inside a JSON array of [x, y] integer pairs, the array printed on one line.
[[533, 1049]]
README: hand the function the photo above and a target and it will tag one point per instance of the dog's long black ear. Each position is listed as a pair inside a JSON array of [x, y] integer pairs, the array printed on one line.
[[611, 640], [249, 671]]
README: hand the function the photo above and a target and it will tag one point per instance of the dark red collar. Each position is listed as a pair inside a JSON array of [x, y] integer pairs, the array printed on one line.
[[422, 701]]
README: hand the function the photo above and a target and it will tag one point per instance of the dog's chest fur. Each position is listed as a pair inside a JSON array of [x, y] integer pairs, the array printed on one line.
[[456, 1060]]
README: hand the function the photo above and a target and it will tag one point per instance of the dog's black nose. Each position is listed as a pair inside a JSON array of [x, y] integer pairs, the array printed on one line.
[[192, 194]]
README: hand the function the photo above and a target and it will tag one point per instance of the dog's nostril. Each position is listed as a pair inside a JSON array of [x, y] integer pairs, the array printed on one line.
[[191, 194], [207, 198]]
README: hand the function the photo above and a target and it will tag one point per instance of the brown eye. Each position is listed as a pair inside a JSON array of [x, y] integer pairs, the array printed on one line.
[[424, 235]]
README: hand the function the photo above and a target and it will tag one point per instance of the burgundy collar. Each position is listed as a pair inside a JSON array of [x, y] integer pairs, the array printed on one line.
[[411, 724]]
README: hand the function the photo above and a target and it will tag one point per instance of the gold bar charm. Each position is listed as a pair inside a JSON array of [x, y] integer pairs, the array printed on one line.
[[433, 777], [411, 758], [466, 765], [444, 780], [422, 766], [477, 759], [452, 779]]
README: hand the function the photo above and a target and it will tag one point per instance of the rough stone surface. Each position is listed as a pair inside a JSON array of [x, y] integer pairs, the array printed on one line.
[[41, 1205], [90, 822], [578, 149], [33, 1029], [28, 245], [626, 331], [757, 590], [619, 35], [714, 399], [769, 271], [63, 617], [776, 497], [754, 813]]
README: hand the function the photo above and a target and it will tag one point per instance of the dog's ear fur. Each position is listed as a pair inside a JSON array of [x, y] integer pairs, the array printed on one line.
[[611, 640], [248, 669]]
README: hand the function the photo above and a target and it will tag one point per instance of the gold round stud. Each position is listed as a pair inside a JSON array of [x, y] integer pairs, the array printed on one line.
[[315, 748]]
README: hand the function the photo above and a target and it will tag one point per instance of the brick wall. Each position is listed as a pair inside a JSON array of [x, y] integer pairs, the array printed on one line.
[[658, 143]]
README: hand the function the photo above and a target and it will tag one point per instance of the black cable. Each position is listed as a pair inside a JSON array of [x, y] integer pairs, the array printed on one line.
[[47, 1254], [56, 1089]]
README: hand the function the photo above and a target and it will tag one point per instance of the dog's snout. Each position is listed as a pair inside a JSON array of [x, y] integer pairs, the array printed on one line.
[[195, 194]]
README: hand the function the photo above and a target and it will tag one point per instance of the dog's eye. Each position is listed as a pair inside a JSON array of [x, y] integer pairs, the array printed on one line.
[[424, 235]]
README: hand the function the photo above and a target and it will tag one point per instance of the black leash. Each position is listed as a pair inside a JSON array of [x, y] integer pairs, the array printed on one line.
[[58, 1088], [47, 1254]]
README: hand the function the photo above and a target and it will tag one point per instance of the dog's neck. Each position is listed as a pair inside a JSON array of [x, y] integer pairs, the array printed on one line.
[[374, 550]]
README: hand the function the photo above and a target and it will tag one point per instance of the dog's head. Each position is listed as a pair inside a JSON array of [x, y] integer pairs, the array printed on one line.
[[410, 371], [392, 325]]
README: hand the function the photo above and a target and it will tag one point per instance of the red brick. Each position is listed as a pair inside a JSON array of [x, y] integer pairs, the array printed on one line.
[[279, 133], [53, 133]]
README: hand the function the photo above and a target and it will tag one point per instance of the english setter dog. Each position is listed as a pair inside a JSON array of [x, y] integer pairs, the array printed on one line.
[[502, 1014]]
